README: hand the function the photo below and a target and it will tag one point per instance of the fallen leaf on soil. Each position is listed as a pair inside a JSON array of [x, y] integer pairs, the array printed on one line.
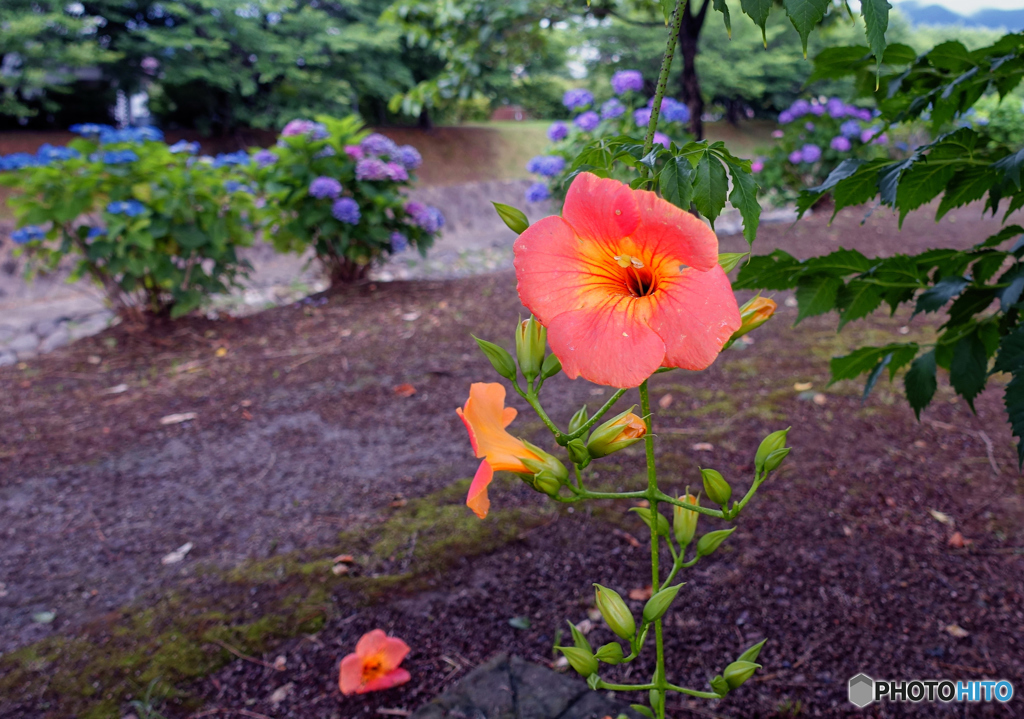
[[702, 447], [957, 631], [561, 663], [802, 386], [246, 415], [221, 351], [847, 531], [957, 541], [594, 614], [665, 402], [405, 390], [920, 444], [280, 664], [819, 399], [94, 359], [640, 594], [519, 622], [889, 501], [339, 570], [177, 555], [941, 517], [411, 316], [630, 539], [178, 418], [585, 627], [642, 503], [116, 389], [44, 617], [790, 302], [344, 558], [281, 693]]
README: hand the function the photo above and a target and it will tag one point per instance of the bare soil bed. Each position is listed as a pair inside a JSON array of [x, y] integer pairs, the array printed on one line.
[[308, 442]]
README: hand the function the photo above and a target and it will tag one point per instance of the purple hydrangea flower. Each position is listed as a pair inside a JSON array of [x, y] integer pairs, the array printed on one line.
[[642, 117], [395, 172], [836, 108], [840, 143], [809, 126], [577, 99], [537, 192], [264, 158], [380, 145], [399, 242], [409, 157], [355, 152], [371, 168], [661, 138], [882, 139], [313, 130], [757, 165], [627, 81], [612, 109], [325, 151], [850, 128], [346, 210], [810, 153], [130, 208], [558, 131], [817, 110], [429, 218], [866, 135], [324, 187], [674, 111], [777, 134], [800, 108], [28, 233], [588, 121], [795, 157], [786, 117], [546, 165]]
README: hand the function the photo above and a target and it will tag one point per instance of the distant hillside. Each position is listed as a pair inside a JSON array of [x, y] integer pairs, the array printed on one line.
[[919, 14]]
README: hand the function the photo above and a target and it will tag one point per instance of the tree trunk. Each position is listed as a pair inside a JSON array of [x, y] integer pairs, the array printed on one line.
[[732, 111], [343, 271], [425, 123], [689, 37]]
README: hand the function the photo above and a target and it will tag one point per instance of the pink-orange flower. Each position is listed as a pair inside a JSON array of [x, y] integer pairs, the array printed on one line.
[[625, 283], [374, 665], [486, 417]]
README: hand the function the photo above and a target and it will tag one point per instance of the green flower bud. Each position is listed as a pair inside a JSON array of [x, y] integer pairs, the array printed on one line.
[[617, 433], [582, 660], [531, 343], [684, 521], [578, 420], [578, 453], [715, 486], [577, 637], [615, 612], [658, 604], [656, 699], [774, 441], [544, 482], [645, 514], [773, 460], [751, 654], [738, 672], [552, 366], [499, 357], [544, 462], [720, 685], [710, 541], [610, 653], [513, 217]]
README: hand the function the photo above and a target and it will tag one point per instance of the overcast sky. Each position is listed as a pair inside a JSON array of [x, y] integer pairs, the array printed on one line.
[[966, 7]]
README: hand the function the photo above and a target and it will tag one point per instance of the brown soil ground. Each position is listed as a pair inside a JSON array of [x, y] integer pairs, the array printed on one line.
[[302, 449]]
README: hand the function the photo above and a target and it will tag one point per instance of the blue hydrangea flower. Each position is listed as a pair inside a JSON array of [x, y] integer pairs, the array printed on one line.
[[850, 128], [627, 81], [796, 157], [429, 218], [399, 242], [673, 111], [109, 135], [810, 153], [325, 151], [228, 159], [19, 161], [371, 168], [785, 117], [409, 157], [642, 117], [346, 210], [184, 146], [130, 208], [324, 187], [380, 145], [47, 153], [264, 158], [836, 108], [662, 139], [95, 232], [537, 192], [577, 99], [588, 121], [612, 108], [87, 129], [27, 234], [546, 165], [118, 157], [558, 131], [236, 186]]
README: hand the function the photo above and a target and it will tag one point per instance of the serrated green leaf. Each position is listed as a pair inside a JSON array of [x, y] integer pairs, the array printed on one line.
[[876, 22], [856, 301], [744, 198], [856, 190], [721, 7], [951, 55], [710, 187], [920, 382], [834, 63], [816, 295], [777, 271], [921, 184], [875, 374], [866, 358], [968, 185], [1013, 399], [841, 262], [676, 182], [968, 369], [805, 16], [934, 298], [758, 11], [1007, 233]]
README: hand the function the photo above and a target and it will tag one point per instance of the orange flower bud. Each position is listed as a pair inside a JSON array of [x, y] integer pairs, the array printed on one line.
[[752, 315], [617, 433]]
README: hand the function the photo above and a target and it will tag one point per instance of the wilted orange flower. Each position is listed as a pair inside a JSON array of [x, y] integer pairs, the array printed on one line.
[[625, 283], [486, 417], [374, 665]]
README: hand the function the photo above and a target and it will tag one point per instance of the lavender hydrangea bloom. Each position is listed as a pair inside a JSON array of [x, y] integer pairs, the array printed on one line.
[[840, 143], [346, 210], [757, 165], [882, 139], [236, 186], [263, 158], [674, 111], [627, 81], [818, 110], [395, 172], [355, 152], [800, 108], [612, 109], [27, 234], [850, 128], [662, 139], [371, 168], [546, 165], [795, 157], [785, 117], [809, 126], [537, 192], [642, 117], [577, 99], [558, 131], [129, 208], [304, 127], [324, 187], [836, 108], [399, 242], [380, 145], [409, 157], [429, 218], [184, 146], [866, 135], [588, 121], [118, 157], [810, 153]]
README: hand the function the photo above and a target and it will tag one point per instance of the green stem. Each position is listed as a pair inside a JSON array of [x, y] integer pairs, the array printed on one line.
[[675, 22], [597, 415], [693, 692], [652, 488], [626, 687]]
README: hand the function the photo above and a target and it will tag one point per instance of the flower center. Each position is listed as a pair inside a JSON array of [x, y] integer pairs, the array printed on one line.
[[372, 669], [640, 281]]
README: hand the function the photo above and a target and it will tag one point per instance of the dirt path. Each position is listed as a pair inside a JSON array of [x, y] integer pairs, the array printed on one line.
[[300, 433]]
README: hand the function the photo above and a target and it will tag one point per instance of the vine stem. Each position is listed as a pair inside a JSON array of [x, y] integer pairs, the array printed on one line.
[[652, 488], [676, 22]]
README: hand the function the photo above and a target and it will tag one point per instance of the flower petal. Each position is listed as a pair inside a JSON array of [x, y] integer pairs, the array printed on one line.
[[610, 343], [371, 643], [485, 418], [393, 652], [600, 210], [477, 499], [695, 314], [351, 674], [673, 235], [392, 679]]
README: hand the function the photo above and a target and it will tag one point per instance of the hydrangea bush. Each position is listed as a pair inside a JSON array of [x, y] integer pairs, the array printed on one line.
[[157, 228], [627, 112], [813, 138], [333, 187]]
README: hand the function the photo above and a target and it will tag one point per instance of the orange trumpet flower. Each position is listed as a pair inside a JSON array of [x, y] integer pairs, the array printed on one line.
[[374, 665], [625, 283]]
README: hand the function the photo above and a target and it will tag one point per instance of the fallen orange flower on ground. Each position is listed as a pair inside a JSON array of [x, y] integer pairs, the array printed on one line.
[[374, 665]]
